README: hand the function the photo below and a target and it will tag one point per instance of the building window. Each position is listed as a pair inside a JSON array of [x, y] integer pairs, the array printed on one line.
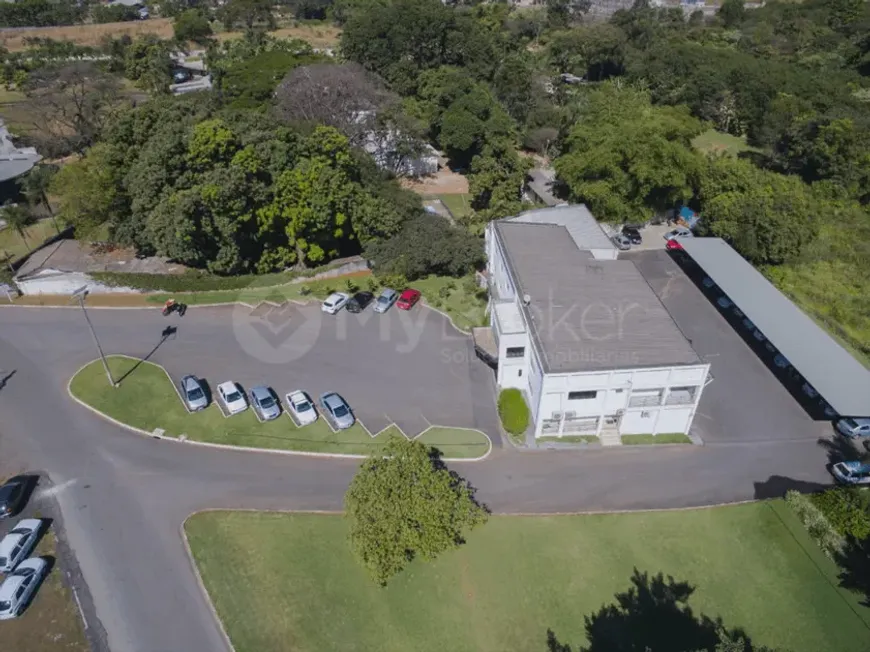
[[515, 352], [681, 396], [646, 398], [519, 372], [582, 396]]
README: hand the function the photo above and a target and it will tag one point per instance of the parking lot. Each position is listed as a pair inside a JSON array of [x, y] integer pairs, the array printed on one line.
[[411, 368], [745, 401]]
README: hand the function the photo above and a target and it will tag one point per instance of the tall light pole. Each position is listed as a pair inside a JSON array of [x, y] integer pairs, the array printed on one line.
[[80, 294]]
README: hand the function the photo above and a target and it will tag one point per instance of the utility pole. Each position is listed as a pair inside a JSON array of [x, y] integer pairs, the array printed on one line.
[[80, 294]]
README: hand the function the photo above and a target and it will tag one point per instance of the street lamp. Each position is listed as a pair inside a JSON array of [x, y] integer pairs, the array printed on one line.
[[80, 294]]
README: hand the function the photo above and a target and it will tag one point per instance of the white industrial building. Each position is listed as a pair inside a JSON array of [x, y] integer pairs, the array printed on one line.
[[581, 333]]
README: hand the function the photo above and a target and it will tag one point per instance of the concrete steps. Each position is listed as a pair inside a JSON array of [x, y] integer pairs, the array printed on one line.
[[610, 438]]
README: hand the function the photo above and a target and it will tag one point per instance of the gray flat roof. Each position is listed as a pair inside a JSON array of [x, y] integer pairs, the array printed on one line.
[[576, 218], [838, 377], [587, 314]]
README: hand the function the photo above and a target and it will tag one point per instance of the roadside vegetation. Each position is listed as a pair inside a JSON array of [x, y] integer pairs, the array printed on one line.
[[586, 579], [146, 399], [663, 438], [514, 413]]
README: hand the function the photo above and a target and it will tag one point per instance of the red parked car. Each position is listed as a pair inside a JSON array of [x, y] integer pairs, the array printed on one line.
[[673, 245], [408, 298]]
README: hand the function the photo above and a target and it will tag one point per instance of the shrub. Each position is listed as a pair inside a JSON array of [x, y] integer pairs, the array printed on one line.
[[395, 281], [373, 284], [513, 411], [444, 292], [846, 509], [818, 527], [350, 286], [304, 290]]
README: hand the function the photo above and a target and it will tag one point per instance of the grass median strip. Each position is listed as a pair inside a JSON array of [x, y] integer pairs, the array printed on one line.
[[146, 399], [650, 440], [300, 587]]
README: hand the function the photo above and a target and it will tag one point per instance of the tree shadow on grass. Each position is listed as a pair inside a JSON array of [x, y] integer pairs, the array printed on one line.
[[854, 563], [653, 616]]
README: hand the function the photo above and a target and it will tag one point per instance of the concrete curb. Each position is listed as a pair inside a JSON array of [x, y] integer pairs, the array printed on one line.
[[201, 584], [448, 317], [248, 449]]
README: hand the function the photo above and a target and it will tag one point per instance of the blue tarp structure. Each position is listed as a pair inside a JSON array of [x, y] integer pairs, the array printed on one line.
[[689, 216]]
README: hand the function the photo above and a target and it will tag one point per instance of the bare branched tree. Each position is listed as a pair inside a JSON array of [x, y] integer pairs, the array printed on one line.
[[69, 105], [345, 96]]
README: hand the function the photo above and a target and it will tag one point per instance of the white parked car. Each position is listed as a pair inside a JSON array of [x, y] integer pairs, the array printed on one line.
[[16, 545], [19, 586], [301, 407], [335, 302], [232, 397], [679, 232]]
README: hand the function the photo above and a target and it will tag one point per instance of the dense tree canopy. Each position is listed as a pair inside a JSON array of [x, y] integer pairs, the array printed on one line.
[[230, 192], [628, 159], [427, 244], [768, 217]]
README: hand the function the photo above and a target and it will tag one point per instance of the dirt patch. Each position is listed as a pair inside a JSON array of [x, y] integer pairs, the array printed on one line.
[[320, 36], [91, 35], [444, 182]]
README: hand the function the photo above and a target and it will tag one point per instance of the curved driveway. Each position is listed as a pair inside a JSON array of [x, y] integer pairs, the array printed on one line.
[[125, 497]]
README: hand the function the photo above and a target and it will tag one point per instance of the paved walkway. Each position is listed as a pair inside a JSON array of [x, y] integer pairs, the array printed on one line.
[[125, 497]]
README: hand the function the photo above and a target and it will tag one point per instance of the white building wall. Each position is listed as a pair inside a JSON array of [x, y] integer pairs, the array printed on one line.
[[513, 372], [54, 282], [536, 383], [613, 393], [497, 268]]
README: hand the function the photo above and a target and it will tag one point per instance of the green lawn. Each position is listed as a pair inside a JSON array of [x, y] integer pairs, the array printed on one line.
[[465, 309], [300, 589], [569, 439], [663, 438], [459, 205], [13, 246], [712, 141], [146, 399]]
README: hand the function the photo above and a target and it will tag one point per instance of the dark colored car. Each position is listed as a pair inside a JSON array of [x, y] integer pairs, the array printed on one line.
[[359, 301], [12, 495], [633, 234]]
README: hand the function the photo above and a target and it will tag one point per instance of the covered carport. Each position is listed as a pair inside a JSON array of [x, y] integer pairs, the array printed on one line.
[[825, 378]]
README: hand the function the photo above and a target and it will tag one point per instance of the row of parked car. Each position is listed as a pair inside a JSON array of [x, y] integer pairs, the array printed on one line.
[[23, 573], [358, 302], [263, 400]]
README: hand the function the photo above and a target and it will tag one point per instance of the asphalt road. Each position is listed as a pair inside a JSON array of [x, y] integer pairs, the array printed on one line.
[[125, 497]]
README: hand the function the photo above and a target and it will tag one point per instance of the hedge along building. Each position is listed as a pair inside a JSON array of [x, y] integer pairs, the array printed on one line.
[[582, 334]]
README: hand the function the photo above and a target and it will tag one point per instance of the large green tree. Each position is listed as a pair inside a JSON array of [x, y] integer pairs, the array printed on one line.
[[88, 190], [404, 504], [627, 159], [767, 217], [427, 244]]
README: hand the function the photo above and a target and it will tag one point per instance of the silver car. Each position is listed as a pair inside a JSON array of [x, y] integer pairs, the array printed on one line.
[[337, 410], [385, 299], [20, 585], [264, 403], [193, 393], [622, 242], [16, 545]]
